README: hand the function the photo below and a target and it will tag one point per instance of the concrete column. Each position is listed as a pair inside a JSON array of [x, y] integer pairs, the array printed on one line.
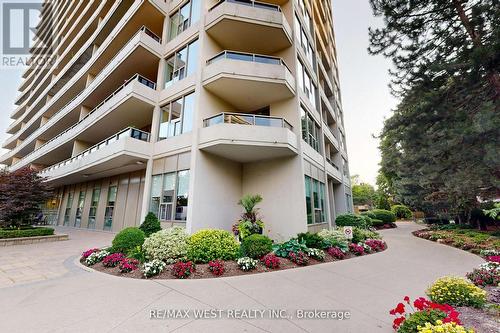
[[39, 143], [95, 47], [90, 78], [85, 110], [18, 142], [15, 160], [160, 79], [155, 127], [44, 120], [23, 124], [79, 146], [49, 97], [164, 36]]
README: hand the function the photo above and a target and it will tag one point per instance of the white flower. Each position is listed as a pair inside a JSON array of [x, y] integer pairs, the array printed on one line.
[[246, 263]]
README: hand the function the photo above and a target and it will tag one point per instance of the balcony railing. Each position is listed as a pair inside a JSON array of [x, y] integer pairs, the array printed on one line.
[[151, 34], [250, 3], [137, 77], [246, 119], [127, 132], [249, 57]]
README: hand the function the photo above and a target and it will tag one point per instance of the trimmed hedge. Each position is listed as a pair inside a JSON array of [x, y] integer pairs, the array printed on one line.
[[256, 246], [211, 244], [128, 239], [385, 215], [150, 225], [353, 220], [33, 232], [401, 211]]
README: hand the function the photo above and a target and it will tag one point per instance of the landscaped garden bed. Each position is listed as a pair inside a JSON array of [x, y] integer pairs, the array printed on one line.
[[25, 231], [455, 304], [150, 252], [462, 237]]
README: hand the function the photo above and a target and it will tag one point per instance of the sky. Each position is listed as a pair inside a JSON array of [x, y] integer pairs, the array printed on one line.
[[363, 80]]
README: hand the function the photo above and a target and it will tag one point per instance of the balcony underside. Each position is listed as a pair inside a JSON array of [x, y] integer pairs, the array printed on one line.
[[248, 86], [244, 144], [241, 28], [122, 156]]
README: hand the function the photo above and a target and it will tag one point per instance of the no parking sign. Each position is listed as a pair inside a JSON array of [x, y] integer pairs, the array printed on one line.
[[348, 232]]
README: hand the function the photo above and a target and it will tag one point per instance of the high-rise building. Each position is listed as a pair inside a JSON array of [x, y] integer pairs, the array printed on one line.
[[182, 107]]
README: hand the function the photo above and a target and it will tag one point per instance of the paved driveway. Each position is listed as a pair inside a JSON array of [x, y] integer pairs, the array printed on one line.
[[368, 287]]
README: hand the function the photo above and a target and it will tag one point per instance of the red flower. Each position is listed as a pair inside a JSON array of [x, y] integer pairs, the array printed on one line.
[[407, 299], [397, 322], [400, 308]]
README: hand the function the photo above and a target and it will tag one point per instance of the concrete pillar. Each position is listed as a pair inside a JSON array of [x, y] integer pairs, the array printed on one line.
[[15, 160], [39, 143], [23, 124], [79, 146], [164, 37], [90, 78], [85, 110], [44, 120], [49, 97], [18, 142], [95, 47], [160, 80]]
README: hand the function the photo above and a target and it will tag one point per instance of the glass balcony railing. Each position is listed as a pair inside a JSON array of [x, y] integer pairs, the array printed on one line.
[[249, 57], [127, 132], [137, 77], [250, 3], [246, 119], [150, 34]]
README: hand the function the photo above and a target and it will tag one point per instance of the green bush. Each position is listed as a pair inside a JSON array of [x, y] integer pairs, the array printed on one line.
[[456, 291], [401, 211], [211, 244], [410, 325], [169, 245], [334, 238], [352, 220], [150, 225], [312, 240], [377, 223], [256, 246], [32, 232], [360, 235], [385, 215], [128, 239], [292, 245]]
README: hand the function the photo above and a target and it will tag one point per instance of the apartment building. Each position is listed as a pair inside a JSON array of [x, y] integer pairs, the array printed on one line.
[[180, 108]]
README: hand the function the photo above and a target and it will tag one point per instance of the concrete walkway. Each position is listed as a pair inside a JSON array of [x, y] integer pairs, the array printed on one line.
[[368, 287]]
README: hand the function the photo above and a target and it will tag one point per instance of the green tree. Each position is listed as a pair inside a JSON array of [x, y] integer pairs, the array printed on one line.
[[363, 194], [440, 147]]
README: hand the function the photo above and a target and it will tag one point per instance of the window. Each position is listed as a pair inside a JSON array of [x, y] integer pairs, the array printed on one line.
[[177, 117], [110, 208], [79, 209], [181, 63], [306, 83], [96, 193], [315, 201], [169, 196], [67, 212], [304, 42], [183, 18], [310, 130]]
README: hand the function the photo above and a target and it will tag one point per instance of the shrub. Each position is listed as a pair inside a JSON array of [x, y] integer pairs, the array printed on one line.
[[357, 249], [352, 220], [377, 223], [32, 232], [96, 257], [255, 246], [488, 274], [292, 245], [150, 225], [128, 265], [183, 270], [138, 254], [335, 238], [247, 264], [87, 253], [317, 254], [385, 215], [487, 253], [401, 211], [271, 261], [312, 240], [211, 244], [169, 245], [360, 235], [375, 244], [153, 267], [113, 259], [216, 267], [456, 291], [420, 318], [128, 239], [300, 258], [336, 253]]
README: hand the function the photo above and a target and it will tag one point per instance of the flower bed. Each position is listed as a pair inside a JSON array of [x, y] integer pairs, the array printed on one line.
[[475, 241], [144, 262]]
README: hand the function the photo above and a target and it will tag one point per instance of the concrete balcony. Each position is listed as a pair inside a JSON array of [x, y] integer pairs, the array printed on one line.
[[247, 138], [333, 170], [131, 103], [248, 81], [126, 151], [240, 24]]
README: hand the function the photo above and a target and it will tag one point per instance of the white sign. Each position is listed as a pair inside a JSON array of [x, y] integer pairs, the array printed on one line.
[[348, 232]]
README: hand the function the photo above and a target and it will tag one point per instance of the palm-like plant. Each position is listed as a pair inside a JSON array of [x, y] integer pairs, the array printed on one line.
[[248, 202]]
